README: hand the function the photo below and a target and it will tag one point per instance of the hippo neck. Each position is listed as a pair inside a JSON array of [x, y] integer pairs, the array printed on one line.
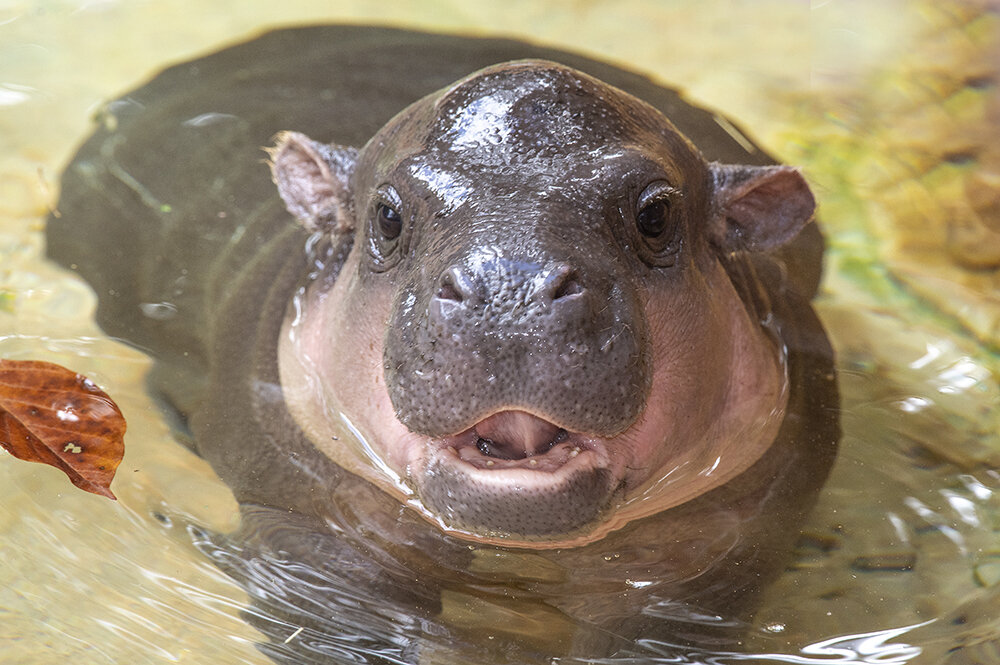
[[245, 401]]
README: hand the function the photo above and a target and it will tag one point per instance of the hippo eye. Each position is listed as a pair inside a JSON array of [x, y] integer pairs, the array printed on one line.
[[653, 218], [385, 228], [657, 220], [389, 221]]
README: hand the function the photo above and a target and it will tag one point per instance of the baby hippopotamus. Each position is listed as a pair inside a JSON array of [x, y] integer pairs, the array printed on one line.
[[524, 334]]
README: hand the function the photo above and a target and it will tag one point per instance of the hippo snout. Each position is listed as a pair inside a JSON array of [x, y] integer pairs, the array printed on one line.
[[499, 332]]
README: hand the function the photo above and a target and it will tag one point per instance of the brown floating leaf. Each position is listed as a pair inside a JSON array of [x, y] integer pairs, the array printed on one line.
[[52, 415]]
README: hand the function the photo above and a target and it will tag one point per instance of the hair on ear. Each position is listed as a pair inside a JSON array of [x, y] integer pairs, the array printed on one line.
[[758, 208], [313, 180]]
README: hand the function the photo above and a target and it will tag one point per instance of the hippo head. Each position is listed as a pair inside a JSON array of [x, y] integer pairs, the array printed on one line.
[[530, 335]]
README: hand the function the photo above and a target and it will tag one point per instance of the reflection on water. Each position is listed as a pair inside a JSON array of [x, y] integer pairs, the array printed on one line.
[[901, 560], [871, 648]]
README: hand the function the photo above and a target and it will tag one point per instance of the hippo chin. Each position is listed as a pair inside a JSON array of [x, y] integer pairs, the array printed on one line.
[[552, 345]]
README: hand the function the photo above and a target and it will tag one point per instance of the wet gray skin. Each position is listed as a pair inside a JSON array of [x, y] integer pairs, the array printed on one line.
[[526, 341]]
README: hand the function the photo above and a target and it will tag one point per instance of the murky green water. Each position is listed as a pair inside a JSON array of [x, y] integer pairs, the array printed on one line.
[[888, 105]]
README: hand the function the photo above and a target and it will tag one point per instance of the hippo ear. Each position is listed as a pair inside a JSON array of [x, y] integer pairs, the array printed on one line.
[[314, 181], [758, 207]]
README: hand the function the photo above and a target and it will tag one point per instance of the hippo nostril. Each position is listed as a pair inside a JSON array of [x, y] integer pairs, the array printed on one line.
[[448, 292], [456, 285], [561, 282], [569, 287]]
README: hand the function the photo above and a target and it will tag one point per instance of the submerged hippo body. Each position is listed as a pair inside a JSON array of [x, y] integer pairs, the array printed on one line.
[[524, 305]]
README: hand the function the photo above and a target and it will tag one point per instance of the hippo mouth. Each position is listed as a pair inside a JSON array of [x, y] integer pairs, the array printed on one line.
[[514, 474], [516, 440], [512, 435]]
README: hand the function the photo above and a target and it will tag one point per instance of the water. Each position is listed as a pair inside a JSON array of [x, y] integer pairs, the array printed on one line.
[[907, 531]]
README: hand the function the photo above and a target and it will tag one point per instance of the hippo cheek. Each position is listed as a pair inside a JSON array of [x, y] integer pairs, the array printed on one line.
[[717, 400], [330, 362]]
